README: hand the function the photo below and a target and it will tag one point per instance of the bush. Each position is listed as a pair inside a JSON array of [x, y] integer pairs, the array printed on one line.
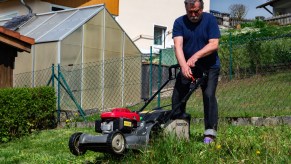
[[257, 46], [23, 110]]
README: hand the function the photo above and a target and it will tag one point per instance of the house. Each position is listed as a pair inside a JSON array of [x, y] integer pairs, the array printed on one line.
[[281, 11], [100, 62], [150, 22], [280, 7], [12, 8], [11, 42]]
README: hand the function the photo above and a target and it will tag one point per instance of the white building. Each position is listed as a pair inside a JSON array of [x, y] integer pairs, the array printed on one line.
[[145, 20]]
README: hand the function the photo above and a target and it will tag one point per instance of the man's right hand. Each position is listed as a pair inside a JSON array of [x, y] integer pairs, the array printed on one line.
[[186, 71]]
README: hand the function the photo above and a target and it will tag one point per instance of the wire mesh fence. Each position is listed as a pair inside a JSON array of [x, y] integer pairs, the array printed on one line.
[[94, 86], [255, 77]]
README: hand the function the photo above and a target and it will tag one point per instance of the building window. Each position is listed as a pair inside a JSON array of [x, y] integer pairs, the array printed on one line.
[[58, 7], [159, 35]]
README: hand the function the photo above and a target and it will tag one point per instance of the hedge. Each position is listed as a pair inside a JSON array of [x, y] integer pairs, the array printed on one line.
[[23, 110]]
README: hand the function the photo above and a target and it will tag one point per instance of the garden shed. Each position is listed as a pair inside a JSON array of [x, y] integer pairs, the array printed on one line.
[[11, 42], [101, 65]]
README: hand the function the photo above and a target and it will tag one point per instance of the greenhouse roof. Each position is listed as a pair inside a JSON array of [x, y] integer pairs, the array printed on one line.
[[55, 26]]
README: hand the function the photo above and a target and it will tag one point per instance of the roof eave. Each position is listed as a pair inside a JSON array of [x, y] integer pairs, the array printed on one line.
[[266, 4]]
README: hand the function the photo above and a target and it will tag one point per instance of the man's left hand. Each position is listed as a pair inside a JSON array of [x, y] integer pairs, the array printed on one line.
[[191, 62]]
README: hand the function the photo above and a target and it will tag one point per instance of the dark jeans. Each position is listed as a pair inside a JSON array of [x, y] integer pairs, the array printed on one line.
[[181, 88]]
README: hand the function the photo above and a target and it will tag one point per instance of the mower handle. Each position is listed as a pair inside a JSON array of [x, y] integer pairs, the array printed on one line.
[[171, 77]]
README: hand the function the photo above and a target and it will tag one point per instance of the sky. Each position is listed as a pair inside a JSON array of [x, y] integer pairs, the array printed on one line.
[[252, 12]]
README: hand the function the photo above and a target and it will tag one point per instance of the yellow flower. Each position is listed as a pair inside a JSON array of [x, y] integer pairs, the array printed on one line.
[[218, 146], [67, 121], [258, 152]]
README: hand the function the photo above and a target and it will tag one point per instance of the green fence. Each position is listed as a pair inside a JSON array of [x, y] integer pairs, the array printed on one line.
[[255, 77], [90, 87]]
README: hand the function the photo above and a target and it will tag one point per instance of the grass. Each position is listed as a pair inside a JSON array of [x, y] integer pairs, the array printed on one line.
[[257, 96], [235, 144]]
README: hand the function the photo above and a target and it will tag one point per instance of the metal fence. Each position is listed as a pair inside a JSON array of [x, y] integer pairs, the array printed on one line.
[[90, 87], [284, 19], [255, 74]]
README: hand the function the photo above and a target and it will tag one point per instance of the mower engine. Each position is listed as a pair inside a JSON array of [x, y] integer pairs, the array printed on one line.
[[119, 119]]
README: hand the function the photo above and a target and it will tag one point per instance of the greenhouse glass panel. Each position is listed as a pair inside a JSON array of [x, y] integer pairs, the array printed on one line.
[[29, 27], [113, 83], [71, 49], [93, 39], [132, 80], [71, 59], [44, 56], [70, 24], [92, 86], [50, 24], [93, 63], [130, 49], [114, 38]]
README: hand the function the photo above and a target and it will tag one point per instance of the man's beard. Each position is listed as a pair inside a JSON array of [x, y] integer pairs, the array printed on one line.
[[195, 19]]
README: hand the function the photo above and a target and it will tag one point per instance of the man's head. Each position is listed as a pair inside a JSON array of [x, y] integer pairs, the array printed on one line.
[[194, 9]]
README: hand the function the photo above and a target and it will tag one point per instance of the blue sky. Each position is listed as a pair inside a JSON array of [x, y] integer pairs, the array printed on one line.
[[222, 6]]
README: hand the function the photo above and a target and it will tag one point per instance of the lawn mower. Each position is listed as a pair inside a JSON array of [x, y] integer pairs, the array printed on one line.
[[122, 129]]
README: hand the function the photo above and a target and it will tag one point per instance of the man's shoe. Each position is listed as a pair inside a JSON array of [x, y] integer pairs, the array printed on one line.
[[208, 140]]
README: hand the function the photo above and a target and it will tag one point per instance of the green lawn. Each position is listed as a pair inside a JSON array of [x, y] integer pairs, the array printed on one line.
[[235, 144], [256, 96]]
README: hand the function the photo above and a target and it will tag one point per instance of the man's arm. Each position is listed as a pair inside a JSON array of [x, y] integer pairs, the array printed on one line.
[[178, 45], [206, 50]]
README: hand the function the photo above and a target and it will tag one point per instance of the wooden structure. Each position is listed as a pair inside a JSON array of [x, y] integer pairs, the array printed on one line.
[[111, 5], [11, 42]]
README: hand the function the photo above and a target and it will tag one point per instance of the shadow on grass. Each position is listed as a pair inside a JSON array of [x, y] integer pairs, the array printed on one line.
[[137, 155]]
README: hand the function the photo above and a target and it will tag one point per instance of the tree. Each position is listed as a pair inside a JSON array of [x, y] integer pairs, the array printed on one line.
[[238, 11]]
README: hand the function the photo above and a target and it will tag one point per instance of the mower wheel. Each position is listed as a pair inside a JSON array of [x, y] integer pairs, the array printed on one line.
[[118, 143], [74, 144], [155, 132]]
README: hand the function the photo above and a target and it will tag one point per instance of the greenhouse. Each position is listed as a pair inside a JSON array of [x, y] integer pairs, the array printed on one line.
[[100, 63]]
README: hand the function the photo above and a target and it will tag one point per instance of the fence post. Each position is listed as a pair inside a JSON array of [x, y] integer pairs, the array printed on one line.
[[53, 76], [160, 78], [230, 57], [59, 94], [151, 72]]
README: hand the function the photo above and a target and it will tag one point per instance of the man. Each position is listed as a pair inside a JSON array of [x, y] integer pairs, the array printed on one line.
[[196, 39]]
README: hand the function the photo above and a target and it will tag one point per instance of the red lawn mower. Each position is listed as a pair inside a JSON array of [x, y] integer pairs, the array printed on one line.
[[122, 129]]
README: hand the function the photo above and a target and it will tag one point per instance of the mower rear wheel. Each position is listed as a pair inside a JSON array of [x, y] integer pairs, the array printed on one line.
[[74, 144], [118, 143], [154, 133]]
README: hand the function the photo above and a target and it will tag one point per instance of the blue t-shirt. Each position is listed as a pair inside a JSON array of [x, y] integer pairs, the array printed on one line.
[[196, 36]]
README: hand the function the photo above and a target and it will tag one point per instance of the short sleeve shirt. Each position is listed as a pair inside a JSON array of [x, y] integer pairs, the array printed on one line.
[[196, 36]]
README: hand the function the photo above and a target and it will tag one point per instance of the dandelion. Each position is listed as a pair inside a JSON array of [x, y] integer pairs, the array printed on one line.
[[258, 152], [218, 147]]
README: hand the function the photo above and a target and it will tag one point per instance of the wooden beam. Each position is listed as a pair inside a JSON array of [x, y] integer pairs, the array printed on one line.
[[20, 45]]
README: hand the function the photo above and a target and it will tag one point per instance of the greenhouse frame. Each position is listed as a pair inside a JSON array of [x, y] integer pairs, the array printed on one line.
[[101, 64]]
